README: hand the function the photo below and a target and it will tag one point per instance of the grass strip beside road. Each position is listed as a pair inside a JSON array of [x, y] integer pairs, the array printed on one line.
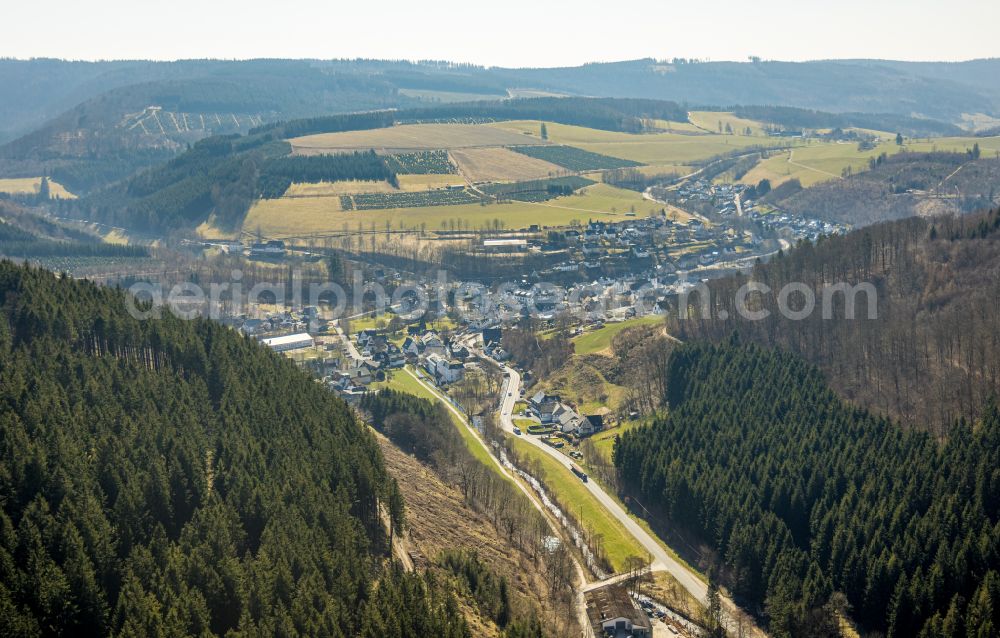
[[570, 492]]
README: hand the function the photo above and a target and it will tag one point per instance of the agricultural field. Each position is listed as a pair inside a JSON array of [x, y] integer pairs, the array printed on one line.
[[820, 162], [297, 217], [335, 189], [674, 149], [644, 148], [413, 183], [677, 127], [500, 164], [810, 165], [665, 169], [563, 133], [572, 158], [406, 138], [989, 146], [30, 185], [710, 121]]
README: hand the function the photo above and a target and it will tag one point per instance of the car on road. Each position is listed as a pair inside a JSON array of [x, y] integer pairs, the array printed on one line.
[[517, 430]]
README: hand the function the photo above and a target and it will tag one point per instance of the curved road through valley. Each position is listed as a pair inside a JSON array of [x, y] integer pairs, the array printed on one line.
[[662, 560]]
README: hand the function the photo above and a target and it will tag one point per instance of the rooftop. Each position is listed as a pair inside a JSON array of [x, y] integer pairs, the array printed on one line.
[[287, 339], [610, 602]]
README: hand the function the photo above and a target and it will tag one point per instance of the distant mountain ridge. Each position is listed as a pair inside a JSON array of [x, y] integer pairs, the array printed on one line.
[[93, 123], [943, 90]]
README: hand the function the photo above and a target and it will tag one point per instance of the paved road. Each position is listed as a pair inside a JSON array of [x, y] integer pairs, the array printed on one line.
[[580, 602], [662, 560], [352, 350]]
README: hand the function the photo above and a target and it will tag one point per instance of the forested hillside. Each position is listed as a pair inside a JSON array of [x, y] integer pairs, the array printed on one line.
[[280, 89], [802, 497], [798, 119], [166, 477], [219, 176], [493, 517], [898, 186], [843, 86], [425, 429], [24, 234], [127, 128], [612, 114], [933, 352]]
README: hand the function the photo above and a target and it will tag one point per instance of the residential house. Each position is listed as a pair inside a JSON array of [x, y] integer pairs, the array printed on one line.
[[565, 419], [491, 335], [430, 343], [590, 424], [253, 326], [541, 398], [365, 336], [444, 370], [411, 346], [451, 371]]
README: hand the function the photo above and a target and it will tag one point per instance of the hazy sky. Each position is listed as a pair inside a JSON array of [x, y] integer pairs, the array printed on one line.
[[504, 33]]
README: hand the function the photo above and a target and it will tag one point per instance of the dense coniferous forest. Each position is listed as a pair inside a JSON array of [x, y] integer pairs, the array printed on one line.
[[24, 234], [168, 477], [612, 114], [931, 354], [18, 243], [417, 426], [278, 174], [813, 507], [327, 124], [795, 118]]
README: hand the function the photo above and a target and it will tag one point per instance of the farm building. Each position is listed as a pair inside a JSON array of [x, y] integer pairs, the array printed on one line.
[[505, 245], [290, 342], [612, 613], [273, 248]]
